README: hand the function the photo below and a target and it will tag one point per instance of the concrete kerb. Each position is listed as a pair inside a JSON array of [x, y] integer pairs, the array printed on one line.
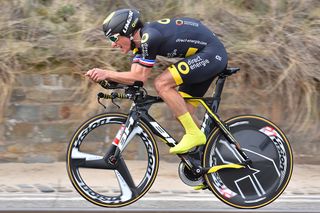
[[52, 178]]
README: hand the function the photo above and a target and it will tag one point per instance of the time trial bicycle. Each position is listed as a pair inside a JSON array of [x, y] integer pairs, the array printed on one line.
[[246, 162]]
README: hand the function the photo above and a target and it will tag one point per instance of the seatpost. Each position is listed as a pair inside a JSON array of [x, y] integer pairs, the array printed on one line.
[[207, 123], [217, 93]]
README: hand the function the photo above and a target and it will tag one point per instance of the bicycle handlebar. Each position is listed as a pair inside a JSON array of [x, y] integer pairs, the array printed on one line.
[[113, 95], [110, 85], [114, 85], [130, 91]]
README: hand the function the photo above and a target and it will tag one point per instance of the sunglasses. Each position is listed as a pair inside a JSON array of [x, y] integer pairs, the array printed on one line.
[[114, 38]]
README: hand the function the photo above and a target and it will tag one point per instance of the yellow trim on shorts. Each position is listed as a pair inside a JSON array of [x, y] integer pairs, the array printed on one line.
[[191, 51], [175, 74], [192, 102]]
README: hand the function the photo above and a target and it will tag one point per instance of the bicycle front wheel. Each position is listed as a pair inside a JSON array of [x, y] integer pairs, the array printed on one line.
[[130, 178], [259, 183]]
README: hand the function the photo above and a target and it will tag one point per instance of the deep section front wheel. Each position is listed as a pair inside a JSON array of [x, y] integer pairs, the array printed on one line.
[[129, 179], [259, 183]]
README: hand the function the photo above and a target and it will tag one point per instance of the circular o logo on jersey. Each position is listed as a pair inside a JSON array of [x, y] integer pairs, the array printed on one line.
[[144, 38], [183, 67], [179, 22], [164, 21]]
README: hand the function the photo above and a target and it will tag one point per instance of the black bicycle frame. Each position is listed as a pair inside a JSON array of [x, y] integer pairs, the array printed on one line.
[[139, 111]]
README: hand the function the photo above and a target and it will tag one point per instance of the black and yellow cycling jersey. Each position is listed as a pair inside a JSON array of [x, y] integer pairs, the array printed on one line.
[[203, 55]]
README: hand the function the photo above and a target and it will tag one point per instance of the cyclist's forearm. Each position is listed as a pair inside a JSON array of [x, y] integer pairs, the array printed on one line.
[[137, 73], [126, 77]]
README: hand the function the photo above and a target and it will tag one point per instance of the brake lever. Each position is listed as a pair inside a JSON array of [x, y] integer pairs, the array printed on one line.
[[104, 106], [112, 100], [101, 103]]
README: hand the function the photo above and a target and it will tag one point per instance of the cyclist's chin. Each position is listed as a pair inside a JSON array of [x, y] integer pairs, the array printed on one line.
[[125, 50]]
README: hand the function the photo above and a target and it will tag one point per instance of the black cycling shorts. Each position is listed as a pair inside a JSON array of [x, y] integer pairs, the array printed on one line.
[[195, 74]]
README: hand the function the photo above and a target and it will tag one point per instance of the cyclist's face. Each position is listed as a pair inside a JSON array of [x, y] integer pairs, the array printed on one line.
[[123, 43]]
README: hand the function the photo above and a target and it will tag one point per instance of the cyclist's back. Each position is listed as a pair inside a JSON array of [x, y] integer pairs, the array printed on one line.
[[204, 55], [178, 37]]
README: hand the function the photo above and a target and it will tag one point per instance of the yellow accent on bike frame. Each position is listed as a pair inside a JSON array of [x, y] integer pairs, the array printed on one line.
[[192, 102], [210, 112], [175, 74], [226, 166]]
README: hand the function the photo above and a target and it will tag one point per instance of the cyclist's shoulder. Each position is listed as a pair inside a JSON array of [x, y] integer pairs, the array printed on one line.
[[151, 27], [169, 23], [173, 27], [169, 26], [186, 20], [150, 32]]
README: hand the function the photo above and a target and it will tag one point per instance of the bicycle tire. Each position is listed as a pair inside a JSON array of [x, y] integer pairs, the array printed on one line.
[[265, 179], [87, 141]]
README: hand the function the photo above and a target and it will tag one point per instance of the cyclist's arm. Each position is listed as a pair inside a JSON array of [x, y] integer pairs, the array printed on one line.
[[137, 73]]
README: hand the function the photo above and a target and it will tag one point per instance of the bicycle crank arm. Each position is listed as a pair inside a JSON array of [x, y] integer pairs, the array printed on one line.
[[225, 166]]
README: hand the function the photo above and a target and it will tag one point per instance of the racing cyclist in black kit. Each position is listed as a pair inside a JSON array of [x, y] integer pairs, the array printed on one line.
[[202, 55]]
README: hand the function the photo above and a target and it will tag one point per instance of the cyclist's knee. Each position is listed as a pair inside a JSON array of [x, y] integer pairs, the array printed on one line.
[[191, 108], [160, 85]]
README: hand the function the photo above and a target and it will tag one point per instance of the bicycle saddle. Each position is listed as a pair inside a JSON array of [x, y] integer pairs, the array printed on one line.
[[230, 70]]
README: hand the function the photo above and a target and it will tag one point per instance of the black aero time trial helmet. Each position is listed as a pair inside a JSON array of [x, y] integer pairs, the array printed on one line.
[[124, 22]]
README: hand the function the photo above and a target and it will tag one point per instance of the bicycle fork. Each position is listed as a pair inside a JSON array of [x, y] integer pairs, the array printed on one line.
[[121, 140]]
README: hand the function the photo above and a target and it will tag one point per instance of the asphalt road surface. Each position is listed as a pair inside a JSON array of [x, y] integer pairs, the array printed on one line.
[[154, 202]]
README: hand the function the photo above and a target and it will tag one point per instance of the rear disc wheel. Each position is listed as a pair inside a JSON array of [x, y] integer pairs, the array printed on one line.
[[259, 183]]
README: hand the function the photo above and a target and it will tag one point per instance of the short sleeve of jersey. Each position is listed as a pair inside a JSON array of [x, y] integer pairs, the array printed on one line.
[[151, 40]]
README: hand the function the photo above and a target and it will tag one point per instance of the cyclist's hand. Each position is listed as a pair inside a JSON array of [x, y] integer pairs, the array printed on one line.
[[97, 74]]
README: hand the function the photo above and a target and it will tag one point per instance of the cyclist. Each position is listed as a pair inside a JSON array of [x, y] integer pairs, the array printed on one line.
[[202, 55]]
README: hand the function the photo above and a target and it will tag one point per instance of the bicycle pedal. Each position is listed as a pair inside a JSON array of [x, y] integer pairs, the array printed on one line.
[[200, 187]]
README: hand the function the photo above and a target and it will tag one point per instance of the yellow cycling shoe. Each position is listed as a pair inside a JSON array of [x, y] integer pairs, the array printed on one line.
[[188, 142]]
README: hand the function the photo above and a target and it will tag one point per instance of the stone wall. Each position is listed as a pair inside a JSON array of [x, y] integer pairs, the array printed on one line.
[[44, 111]]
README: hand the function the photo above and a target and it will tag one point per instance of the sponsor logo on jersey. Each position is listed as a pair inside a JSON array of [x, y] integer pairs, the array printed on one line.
[[179, 22], [197, 62], [144, 50], [144, 38], [218, 57], [164, 21], [190, 23], [172, 54], [183, 68], [185, 40]]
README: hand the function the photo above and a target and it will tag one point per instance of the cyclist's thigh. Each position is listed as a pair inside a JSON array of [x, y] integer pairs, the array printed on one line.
[[197, 72], [196, 90], [200, 67]]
